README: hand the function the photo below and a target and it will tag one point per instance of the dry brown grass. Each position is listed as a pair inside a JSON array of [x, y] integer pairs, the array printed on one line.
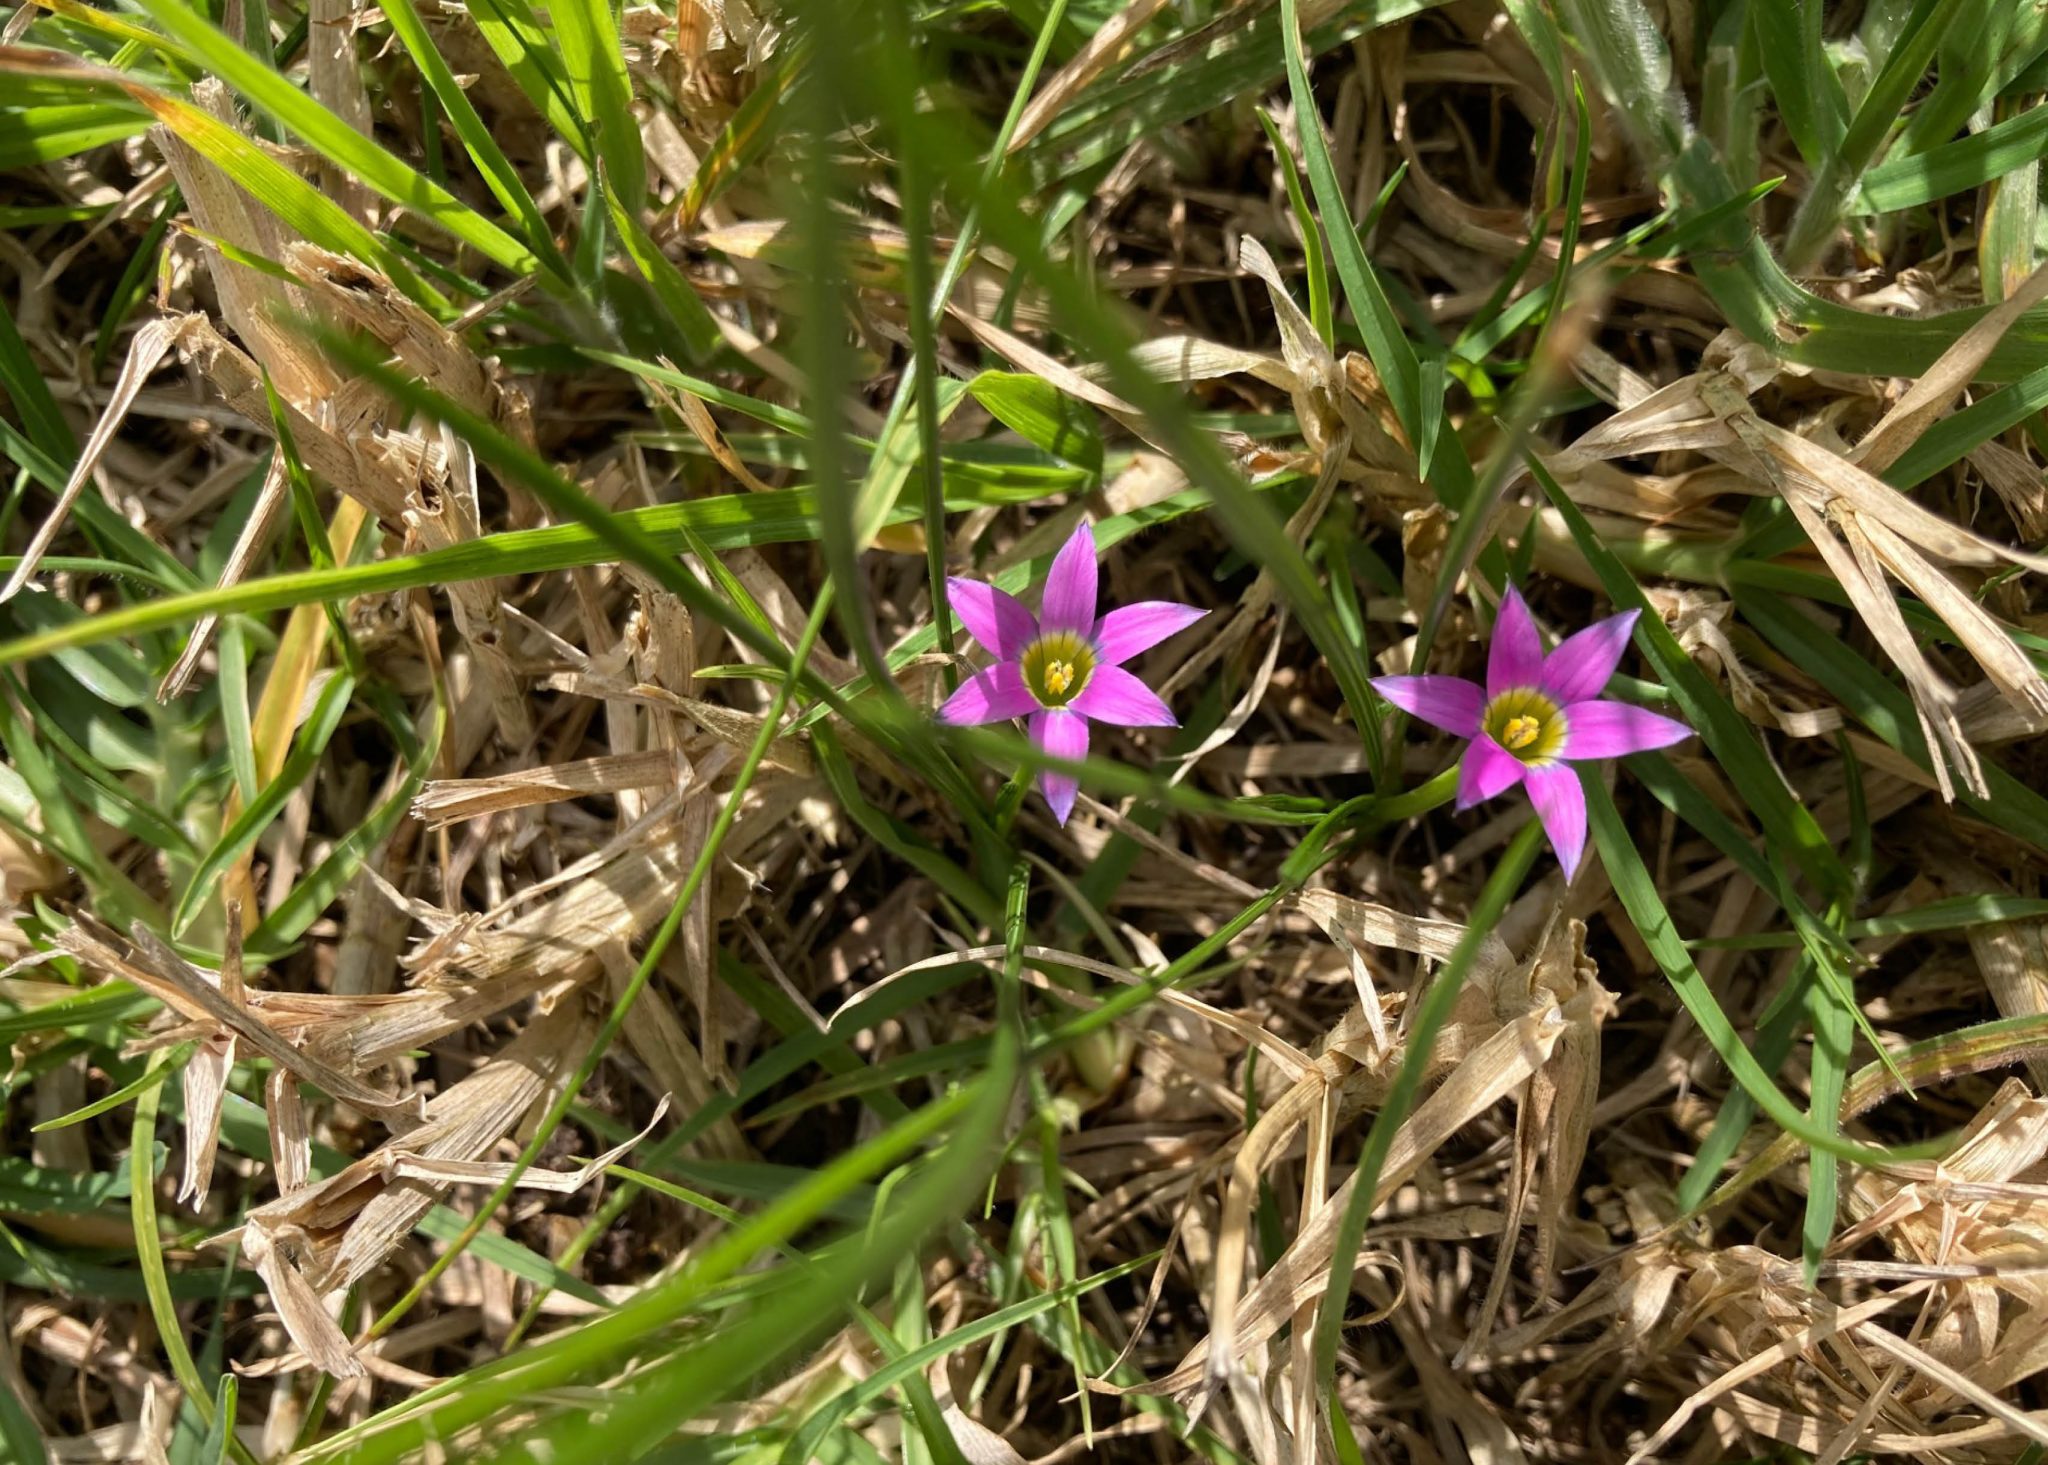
[[1532, 1287]]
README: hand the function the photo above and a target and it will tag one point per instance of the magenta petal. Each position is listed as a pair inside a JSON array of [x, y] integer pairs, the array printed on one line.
[[1451, 703], [1114, 695], [1585, 660], [989, 696], [1130, 629], [1063, 734], [1516, 659], [995, 618], [1069, 603], [1561, 804], [1615, 729], [1488, 769]]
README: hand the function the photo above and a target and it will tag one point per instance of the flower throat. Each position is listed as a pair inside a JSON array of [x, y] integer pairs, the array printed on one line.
[[1057, 667]]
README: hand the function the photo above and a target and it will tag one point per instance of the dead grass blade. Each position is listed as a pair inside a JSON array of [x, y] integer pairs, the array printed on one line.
[[145, 353]]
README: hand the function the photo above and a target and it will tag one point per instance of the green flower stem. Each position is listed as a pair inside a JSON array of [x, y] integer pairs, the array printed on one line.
[[1417, 801]]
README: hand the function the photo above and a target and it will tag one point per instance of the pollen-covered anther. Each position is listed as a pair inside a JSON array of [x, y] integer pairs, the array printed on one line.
[[1056, 667], [1527, 724]]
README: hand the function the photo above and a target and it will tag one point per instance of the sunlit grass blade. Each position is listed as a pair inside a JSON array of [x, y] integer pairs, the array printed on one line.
[[308, 211], [32, 136], [1387, 344], [514, 33], [805, 1442], [498, 173], [1803, 84], [340, 143], [565, 1356]]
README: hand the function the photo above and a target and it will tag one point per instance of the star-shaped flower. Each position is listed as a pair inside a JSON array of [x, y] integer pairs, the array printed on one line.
[[1063, 666], [1536, 716]]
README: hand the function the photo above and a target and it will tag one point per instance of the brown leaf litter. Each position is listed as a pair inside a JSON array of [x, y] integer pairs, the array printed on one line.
[[1530, 1290]]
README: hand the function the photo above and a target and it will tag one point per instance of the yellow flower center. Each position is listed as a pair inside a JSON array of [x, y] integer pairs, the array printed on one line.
[[1527, 723], [1056, 667], [1520, 732]]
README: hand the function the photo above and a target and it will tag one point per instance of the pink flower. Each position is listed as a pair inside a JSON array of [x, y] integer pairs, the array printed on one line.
[[1536, 716], [1063, 666]]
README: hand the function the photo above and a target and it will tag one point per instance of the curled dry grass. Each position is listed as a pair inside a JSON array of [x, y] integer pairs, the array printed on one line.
[[503, 846]]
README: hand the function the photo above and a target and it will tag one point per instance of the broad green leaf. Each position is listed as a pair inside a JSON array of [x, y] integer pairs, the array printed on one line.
[[1042, 415], [39, 1190]]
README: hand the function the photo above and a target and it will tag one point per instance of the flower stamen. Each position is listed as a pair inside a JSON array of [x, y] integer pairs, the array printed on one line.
[[1528, 724], [1056, 667]]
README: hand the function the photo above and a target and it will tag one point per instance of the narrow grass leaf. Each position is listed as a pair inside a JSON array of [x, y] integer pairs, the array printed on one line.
[[308, 746], [359, 156], [1385, 342], [1637, 890]]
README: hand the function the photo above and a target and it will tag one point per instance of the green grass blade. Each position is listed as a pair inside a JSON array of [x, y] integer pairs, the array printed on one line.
[[561, 1358], [1430, 1016], [359, 156], [1320, 311], [804, 1444], [309, 744], [1775, 1033], [1804, 85], [18, 1432], [1637, 890], [1819, 213], [498, 173], [29, 390], [513, 31], [1885, 709], [304, 209], [1956, 167], [1833, 1031], [143, 1155], [733, 521], [32, 136], [1385, 342], [315, 890]]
